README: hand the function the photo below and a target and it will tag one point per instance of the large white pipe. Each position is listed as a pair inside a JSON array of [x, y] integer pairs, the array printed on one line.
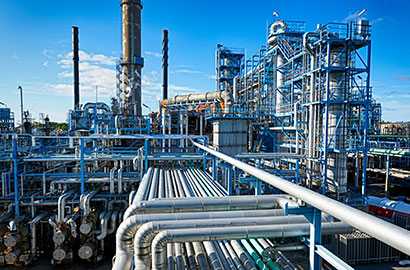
[[203, 204], [148, 231], [396, 237], [230, 233], [128, 228]]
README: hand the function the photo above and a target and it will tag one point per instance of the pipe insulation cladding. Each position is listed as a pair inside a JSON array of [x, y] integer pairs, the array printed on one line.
[[396, 237]]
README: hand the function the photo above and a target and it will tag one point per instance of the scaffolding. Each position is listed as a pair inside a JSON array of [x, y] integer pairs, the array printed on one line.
[[305, 88]]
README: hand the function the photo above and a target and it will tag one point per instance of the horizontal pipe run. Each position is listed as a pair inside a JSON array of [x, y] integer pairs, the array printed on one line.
[[203, 204], [147, 231], [397, 237], [128, 228], [231, 233]]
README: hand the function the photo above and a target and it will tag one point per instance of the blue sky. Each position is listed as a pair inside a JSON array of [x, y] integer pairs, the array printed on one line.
[[36, 44]]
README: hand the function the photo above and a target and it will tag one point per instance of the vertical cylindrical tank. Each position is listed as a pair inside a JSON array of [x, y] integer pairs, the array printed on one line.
[[76, 69], [164, 64], [337, 162], [131, 53]]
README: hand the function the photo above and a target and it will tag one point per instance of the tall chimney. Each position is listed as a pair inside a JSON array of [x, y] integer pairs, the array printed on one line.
[[75, 69], [131, 53], [164, 64]]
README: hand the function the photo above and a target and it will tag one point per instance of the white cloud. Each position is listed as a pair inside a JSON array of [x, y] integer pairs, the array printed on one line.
[[95, 70], [14, 56], [188, 71], [46, 64], [155, 54]]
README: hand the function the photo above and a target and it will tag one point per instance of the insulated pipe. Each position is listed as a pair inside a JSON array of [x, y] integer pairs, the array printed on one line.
[[230, 233], [73, 225], [233, 255], [61, 206], [213, 258], [203, 204], [148, 231], [223, 96], [113, 221], [397, 237], [143, 188], [306, 42], [154, 183], [128, 228], [120, 170], [33, 224], [112, 177], [104, 224], [246, 261], [87, 200]]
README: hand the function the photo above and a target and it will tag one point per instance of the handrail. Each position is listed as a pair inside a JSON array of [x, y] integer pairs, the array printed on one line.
[[384, 231]]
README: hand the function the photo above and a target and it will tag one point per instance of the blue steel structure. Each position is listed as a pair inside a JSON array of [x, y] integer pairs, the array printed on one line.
[[304, 88]]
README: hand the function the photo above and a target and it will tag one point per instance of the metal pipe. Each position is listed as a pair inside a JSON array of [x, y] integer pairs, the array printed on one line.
[[143, 188], [76, 69], [104, 224], [245, 260], [61, 206], [34, 233], [148, 231], [128, 228], [397, 237], [73, 225], [231, 233], [306, 45], [21, 108], [112, 177], [232, 254], [203, 204], [223, 96], [120, 170]]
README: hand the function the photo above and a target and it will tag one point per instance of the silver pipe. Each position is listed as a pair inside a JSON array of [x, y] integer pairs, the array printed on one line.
[[113, 221], [120, 170], [208, 96], [146, 232], [61, 205], [200, 256], [245, 260], [232, 254], [203, 204], [397, 237], [154, 183], [179, 260], [73, 225], [230, 233], [143, 187], [306, 41], [104, 224], [87, 200], [213, 257], [224, 255], [34, 233], [191, 265], [161, 190], [112, 177]]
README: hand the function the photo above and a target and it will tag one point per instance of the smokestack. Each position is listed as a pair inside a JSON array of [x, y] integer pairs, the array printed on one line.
[[131, 53], [75, 69], [164, 64]]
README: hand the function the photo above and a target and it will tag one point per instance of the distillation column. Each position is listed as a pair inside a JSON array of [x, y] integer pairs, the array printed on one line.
[[336, 131], [132, 60]]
